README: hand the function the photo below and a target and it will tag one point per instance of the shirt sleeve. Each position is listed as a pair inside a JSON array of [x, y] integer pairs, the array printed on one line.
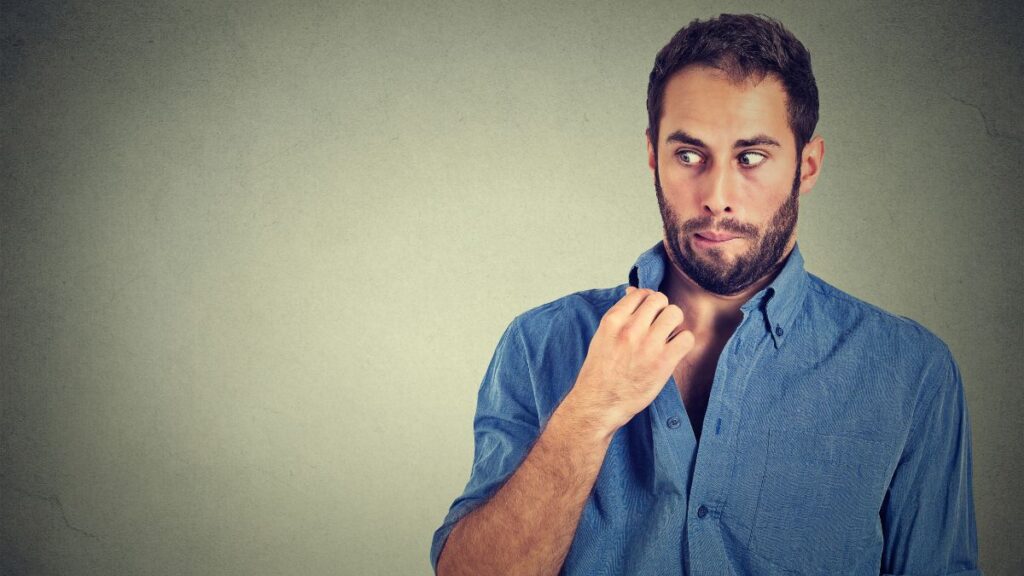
[[504, 428], [928, 513]]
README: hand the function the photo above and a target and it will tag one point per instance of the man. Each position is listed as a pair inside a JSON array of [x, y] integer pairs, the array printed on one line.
[[731, 414]]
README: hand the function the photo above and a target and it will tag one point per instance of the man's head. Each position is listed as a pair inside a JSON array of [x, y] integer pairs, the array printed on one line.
[[742, 46], [732, 107]]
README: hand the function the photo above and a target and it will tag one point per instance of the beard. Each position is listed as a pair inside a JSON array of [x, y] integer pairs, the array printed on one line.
[[715, 274]]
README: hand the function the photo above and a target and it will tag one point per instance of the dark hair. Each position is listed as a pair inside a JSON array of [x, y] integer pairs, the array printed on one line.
[[741, 45]]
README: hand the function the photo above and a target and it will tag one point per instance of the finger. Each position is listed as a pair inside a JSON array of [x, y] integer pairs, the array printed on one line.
[[648, 309], [628, 303], [680, 344], [669, 319]]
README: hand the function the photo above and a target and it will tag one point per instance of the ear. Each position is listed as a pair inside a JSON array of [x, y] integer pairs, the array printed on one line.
[[810, 163], [652, 159]]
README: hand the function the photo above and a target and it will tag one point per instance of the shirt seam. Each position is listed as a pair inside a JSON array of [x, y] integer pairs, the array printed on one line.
[[517, 329], [924, 406]]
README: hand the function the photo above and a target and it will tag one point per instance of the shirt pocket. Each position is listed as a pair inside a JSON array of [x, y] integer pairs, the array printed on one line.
[[819, 500]]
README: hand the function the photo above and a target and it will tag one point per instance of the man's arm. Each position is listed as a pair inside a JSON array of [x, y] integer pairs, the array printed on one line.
[[928, 513], [528, 525]]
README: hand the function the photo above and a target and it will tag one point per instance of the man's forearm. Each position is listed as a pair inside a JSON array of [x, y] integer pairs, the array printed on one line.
[[528, 525]]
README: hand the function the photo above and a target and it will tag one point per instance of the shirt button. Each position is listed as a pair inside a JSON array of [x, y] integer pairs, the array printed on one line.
[[702, 511], [674, 422], [778, 330]]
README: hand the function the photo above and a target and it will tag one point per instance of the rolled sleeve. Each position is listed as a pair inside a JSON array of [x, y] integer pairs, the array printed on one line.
[[928, 513], [505, 426]]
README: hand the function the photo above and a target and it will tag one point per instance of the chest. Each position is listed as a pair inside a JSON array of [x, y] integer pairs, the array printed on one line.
[[694, 377], [800, 463]]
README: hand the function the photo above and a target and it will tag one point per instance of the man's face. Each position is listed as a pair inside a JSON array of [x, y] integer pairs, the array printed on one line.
[[727, 178]]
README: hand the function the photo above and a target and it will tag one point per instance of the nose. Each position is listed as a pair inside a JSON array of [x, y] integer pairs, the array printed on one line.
[[717, 191]]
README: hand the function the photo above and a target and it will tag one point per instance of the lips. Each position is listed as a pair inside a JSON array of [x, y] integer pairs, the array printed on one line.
[[710, 236]]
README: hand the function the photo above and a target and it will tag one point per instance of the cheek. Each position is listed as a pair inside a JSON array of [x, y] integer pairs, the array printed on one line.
[[763, 192], [679, 185]]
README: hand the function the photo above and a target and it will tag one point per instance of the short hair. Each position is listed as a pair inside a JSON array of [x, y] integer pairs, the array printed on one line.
[[740, 45]]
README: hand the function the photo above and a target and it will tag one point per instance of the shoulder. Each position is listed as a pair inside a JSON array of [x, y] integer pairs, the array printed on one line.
[[554, 338], [891, 339], [853, 313], [575, 313]]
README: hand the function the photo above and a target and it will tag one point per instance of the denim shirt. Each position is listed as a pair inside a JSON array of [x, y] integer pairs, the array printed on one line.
[[836, 441]]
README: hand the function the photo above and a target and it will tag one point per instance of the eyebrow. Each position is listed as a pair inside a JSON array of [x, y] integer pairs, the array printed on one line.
[[758, 140]]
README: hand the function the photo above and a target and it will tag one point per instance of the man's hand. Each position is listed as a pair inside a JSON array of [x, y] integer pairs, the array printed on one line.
[[631, 355], [528, 525]]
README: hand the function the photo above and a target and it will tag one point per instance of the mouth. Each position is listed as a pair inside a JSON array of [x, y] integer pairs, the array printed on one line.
[[710, 238]]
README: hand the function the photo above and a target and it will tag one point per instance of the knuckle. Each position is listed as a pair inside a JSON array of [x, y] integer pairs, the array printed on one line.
[[673, 311], [627, 328], [611, 318], [659, 298]]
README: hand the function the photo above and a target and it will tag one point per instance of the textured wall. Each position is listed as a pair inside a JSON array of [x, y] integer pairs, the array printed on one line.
[[256, 255]]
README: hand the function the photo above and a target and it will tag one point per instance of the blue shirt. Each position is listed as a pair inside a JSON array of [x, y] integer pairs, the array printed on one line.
[[836, 441]]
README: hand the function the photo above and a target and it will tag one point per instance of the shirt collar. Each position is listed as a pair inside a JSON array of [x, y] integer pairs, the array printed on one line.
[[778, 302]]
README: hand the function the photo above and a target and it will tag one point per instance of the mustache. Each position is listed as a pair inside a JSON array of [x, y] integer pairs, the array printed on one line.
[[727, 225]]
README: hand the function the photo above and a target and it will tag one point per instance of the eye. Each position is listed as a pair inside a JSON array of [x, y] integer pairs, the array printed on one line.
[[689, 157], [751, 159]]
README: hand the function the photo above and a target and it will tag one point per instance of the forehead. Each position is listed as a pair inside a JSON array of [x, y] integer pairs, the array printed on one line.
[[705, 103]]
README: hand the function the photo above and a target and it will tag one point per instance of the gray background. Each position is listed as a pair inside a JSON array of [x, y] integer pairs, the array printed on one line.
[[256, 256]]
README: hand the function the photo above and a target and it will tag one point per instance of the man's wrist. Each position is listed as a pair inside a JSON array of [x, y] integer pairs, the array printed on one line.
[[583, 421]]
